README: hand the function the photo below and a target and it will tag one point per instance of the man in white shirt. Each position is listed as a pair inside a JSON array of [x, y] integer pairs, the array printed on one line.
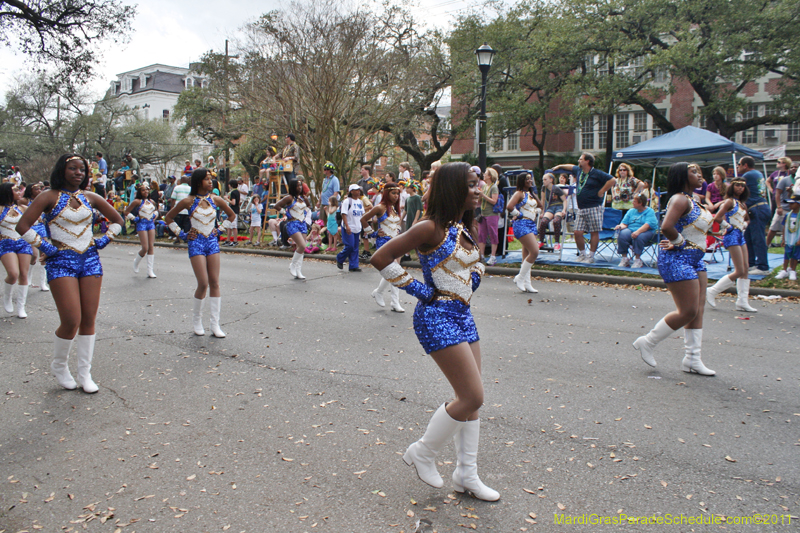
[[179, 193], [244, 190], [352, 210]]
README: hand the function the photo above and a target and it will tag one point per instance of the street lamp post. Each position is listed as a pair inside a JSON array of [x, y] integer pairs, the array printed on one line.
[[485, 55]]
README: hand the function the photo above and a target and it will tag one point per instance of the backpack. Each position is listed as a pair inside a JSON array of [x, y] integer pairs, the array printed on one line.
[[500, 204]]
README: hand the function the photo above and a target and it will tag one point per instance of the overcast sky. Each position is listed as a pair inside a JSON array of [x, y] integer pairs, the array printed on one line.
[[178, 32]]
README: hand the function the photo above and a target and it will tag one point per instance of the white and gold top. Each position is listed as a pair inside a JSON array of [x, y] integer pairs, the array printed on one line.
[[71, 227], [8, 226], [527, 207], [147, 210], [736, 218], [204, 217], [390, 225], [449, 266], [694, 226], [297, 211]]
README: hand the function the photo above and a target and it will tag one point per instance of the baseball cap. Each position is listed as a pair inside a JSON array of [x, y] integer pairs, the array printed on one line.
[[353, 187]]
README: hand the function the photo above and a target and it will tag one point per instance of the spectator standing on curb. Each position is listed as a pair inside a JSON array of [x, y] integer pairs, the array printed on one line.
[[179, 193], [592, 185], [352, 211], [783, 191], [791, 232], [330, 187], [235, 201], [756, 233]]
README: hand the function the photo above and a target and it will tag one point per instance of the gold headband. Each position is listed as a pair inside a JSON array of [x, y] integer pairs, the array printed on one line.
[[74, 157]]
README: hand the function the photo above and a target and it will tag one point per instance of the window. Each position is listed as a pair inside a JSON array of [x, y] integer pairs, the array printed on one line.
[[640, 122], [621, 130], [793, 133], [512, 142], [602, 131], [587, 134], [750, 136], [165, 115]]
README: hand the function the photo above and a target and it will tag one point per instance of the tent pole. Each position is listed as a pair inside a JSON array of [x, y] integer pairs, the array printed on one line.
[[735, 172]]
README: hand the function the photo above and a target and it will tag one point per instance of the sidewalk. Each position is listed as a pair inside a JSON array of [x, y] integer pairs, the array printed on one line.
[[500, 270]]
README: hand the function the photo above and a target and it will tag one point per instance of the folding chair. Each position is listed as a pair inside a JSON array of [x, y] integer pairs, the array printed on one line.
[[608, 239]]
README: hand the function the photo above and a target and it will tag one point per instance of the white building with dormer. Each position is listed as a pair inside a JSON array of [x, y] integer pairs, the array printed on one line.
[[153, 91]]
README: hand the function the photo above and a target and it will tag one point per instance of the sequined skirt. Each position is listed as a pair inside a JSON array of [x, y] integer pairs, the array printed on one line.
[[296, 226], [15, 246], [199, 244], [680, 265], [145, 225], [523, 227], [71, 264], [443, 323], [380, 241], [734, 237]]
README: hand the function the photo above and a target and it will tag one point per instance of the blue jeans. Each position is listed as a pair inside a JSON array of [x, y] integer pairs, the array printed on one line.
[[351, 242], [756, 236], [639, 243]]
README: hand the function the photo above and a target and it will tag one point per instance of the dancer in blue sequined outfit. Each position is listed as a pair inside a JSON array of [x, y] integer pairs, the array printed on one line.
[[31, 192], [203, 240], [297, 211], [144, 212], [523, 209], [733, 216], [73, 265], [15, 253], [680, 263], [388, 215], [443, 322]]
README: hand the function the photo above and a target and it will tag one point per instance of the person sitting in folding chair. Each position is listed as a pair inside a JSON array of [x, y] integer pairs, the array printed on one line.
[[637, 229]]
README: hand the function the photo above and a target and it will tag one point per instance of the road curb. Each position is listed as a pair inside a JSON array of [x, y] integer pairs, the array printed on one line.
[[493, 270]]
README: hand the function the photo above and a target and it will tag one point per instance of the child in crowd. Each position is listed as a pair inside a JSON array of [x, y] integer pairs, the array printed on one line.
[[255, 220], [791, 232], [333, 225], [314, 238], [188, 168]]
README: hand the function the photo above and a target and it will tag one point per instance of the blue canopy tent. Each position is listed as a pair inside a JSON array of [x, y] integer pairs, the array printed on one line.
[[694, 145], [690, 144]]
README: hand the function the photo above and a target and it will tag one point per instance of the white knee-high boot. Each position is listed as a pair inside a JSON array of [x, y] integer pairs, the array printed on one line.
[[378, 293], [151, 259], [60, 363], [693, 342], [22, 297], [298, 266], [724, 282], [293, 265], [395, 292], [422, 454], [743, 289], [215, 305], [43, 286], [197, 316], [136, 260], [8, 303], [524, 270], [85, 350], [646, 343], [465, 476]]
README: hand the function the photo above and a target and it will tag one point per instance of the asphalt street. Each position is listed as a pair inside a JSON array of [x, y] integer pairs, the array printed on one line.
[[296, 422]]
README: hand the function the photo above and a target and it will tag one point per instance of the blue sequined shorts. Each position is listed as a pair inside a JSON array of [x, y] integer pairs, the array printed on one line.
[[202, 245], [792, 252], [145, 225], [380, 241], [680, 265], [734, 237], [12, 246], [523, 227], [443, 323], [71, 264], [41, 229], [296, 226]]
